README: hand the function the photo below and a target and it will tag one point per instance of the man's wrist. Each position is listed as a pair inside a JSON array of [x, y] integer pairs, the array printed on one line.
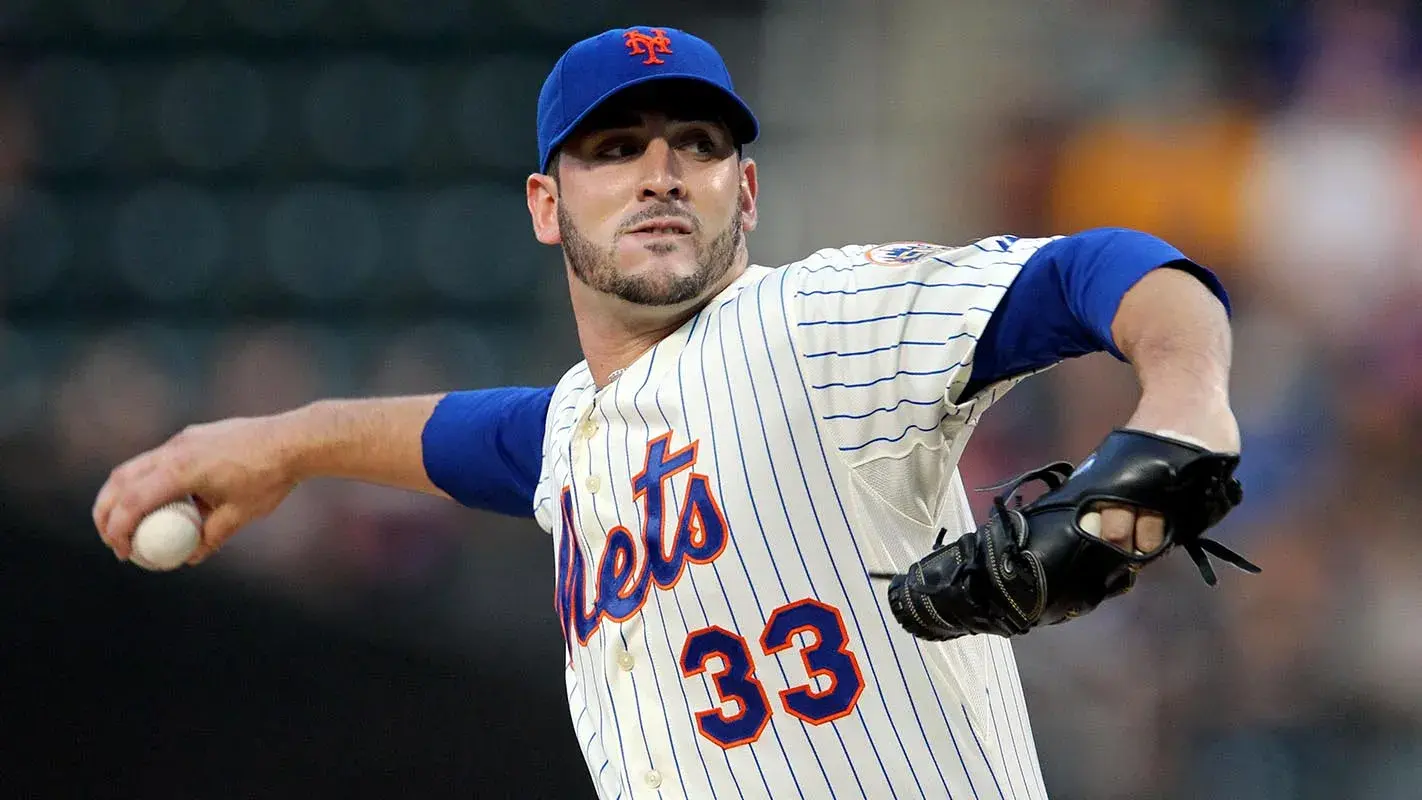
[[1193, 413], [303, 440]]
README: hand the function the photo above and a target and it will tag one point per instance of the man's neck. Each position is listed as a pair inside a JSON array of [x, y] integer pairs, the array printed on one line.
[[614, 333]]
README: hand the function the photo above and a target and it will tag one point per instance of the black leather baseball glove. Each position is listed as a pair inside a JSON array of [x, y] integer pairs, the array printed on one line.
[[1032, 564]]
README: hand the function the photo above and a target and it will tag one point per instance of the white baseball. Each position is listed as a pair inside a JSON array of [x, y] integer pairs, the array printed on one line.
[[167, 537], [1091, 523]]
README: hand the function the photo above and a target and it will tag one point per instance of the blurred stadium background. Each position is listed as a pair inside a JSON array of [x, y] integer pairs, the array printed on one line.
[[230, 207]]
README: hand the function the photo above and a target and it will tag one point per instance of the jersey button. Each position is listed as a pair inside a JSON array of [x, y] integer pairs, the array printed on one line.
[[588, 428], [594, 483], [626, 661], [653, 779]]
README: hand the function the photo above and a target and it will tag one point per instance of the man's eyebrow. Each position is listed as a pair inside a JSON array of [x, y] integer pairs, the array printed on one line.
[[708, 119]]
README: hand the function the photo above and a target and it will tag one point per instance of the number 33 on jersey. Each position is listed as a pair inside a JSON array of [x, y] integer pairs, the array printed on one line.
[[627, 570], [717, 510]]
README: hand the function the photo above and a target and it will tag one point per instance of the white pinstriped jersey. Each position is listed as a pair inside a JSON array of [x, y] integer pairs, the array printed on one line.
[[717, 509]]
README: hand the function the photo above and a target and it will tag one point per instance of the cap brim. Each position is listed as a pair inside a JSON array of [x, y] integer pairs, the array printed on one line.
[[739, 118]]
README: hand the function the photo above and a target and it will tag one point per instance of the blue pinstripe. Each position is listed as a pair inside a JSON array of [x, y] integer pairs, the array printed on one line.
[[775, 476], [553, 437], [999, 723], [599, 729], [900, 436], [602, 634], [716, 473], [603, 769], [1003, 724], [979, 742], [1027, 781], [914, 373], [923, 284], [577, 542], [592, 734], [652, 591], [844, 516], [765, 437], [686, 576], [938, 698], [894, 346], [989, 265], [814, 510], [564, 410], [836, 267], [942, 711], [968, 720], [905, 401], [1000, 240], [696, 593], [900, 315], [735, 545], [1025, 728], [636, 700], [755, 508], [681, 404]]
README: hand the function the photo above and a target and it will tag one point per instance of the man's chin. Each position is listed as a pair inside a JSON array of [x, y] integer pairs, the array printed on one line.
[[656, 294], [662, 271], [659, 288], [657, 257]]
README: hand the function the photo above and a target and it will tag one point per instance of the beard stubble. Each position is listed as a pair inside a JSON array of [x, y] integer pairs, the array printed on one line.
[[598, 268]]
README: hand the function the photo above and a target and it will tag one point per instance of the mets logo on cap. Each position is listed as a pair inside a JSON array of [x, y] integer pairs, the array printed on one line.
[[640, 43]]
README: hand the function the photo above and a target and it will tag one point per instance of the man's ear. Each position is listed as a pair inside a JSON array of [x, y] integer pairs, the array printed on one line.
[[750, 191], [542, 193]]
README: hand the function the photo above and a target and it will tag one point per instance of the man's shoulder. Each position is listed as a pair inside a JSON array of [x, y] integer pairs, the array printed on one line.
[[577, 376], [577, 379], [851, 257], [834, 270], [845, 256]]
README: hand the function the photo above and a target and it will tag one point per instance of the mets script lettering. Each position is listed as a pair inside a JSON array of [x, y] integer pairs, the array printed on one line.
[[642, 44], [623, 580]]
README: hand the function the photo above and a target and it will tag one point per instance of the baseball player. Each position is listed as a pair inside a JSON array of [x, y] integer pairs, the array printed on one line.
[[745, 448]]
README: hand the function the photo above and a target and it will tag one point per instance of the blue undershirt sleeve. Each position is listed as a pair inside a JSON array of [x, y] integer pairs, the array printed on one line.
[[1064, 299], [484, 447]]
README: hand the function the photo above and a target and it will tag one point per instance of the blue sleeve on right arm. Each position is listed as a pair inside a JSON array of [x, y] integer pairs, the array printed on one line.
[[484, 447], [1064, 300]]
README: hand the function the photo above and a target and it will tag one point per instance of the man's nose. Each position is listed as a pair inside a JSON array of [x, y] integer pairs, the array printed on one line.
[[663, 179]]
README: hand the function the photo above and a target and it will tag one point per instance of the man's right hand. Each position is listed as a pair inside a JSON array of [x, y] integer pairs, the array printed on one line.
[[238, 471]]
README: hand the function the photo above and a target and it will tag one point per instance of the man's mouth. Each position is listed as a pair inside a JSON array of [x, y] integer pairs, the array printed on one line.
[[662, 226]]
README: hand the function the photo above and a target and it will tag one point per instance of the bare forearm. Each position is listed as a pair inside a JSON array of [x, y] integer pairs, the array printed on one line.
[[374, 441], [1176, 335]]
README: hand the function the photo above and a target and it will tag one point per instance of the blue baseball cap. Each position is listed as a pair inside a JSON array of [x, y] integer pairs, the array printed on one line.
[[595, 69]]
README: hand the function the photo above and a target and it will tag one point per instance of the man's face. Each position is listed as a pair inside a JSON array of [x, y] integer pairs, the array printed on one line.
[[650, 206]]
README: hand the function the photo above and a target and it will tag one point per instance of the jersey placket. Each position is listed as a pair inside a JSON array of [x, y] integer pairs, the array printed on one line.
[[597, 513], [581, 656]]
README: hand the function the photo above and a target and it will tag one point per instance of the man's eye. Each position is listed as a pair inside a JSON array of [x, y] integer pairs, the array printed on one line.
[[616, 150], [701, 144]]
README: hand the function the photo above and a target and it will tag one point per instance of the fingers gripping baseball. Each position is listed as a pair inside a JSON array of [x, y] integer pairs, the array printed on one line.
[[233, 469], [132, 491], [218, 526]]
